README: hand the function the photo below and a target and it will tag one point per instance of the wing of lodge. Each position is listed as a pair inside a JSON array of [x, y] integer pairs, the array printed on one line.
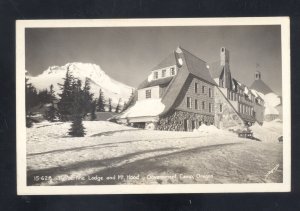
[[183, 92]]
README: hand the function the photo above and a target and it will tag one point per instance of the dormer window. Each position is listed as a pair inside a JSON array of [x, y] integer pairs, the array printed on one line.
[[163, 73], [155, 76], [180, 61], [148, 93], [172, 71]]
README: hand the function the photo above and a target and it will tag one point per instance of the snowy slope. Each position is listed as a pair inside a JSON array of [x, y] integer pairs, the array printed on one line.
[[99, 79]]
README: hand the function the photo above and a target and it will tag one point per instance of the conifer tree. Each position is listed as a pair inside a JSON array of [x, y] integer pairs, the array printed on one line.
[[87, 97], [117, 110], [51, 112], [101, 102], [124, 106], [31, 100], [66, 99], [109, 105], [130, 102], [52, 93], [93, 110], [77, 129]]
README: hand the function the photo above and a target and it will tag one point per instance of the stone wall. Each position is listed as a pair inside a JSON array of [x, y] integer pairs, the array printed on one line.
[[228, 116], [174, 120]]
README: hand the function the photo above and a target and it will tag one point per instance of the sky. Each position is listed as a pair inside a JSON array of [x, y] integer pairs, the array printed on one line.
[[127, 54]]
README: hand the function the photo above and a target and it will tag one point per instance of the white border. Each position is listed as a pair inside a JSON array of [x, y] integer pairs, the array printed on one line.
[[22, 189]]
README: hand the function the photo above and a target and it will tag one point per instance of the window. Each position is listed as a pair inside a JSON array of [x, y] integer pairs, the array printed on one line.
[[203, 105], [196, 105], [203, 89], [155, 75], [210, 107], [221, 108], [196, 87], [209, 92], [163, 73], [189, 102], [148, 93], [172, 71]]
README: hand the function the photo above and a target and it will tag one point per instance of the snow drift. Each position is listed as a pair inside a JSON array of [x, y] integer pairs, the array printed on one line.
[[269, 131]]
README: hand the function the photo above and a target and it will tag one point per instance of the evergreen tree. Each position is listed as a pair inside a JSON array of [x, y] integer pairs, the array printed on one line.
[[51, 112], [31, 96], [101, 102], [93, 109], [130, 102], [31, 100], [77, 129], [109, 105], [124, 106], [118, 106], [87, 97], [52, 94], [66, 99]]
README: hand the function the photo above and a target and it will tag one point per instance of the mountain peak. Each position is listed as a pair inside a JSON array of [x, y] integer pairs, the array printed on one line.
[[99, 80]]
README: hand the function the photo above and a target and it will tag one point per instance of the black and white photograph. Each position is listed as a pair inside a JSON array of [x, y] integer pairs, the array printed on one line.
[[153, 106]]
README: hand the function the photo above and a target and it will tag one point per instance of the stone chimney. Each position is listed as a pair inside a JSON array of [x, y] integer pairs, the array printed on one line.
[[224, 55]]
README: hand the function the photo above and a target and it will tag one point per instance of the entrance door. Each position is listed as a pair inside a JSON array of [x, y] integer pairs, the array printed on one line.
[[185, 125], [193, 124]]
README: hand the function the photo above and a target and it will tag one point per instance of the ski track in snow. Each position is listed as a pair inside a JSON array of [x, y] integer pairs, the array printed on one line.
[[122, 149]]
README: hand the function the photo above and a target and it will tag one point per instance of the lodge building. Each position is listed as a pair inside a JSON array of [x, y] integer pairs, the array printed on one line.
[[182, 92]]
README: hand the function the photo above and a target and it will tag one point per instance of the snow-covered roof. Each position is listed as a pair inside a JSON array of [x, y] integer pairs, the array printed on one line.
[[145, 108], [261, 86]]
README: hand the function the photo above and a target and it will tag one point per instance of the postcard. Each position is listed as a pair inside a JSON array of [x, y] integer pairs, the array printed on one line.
[[123, 106]]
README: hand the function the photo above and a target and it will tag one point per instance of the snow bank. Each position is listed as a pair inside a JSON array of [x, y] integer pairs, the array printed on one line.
[[269, 131], [271, 101], [210, 130], [145, 108]]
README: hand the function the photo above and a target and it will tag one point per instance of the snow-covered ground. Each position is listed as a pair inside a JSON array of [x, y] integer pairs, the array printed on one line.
[[207, 155]]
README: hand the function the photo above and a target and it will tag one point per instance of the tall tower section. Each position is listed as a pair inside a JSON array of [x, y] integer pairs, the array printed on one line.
[[225, 77]]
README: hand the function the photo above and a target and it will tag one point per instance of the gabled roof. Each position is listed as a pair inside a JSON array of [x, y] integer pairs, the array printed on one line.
[[163, 81], [170, 60], [259, 85], [197, 67], [191, 65], [215, 69]]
